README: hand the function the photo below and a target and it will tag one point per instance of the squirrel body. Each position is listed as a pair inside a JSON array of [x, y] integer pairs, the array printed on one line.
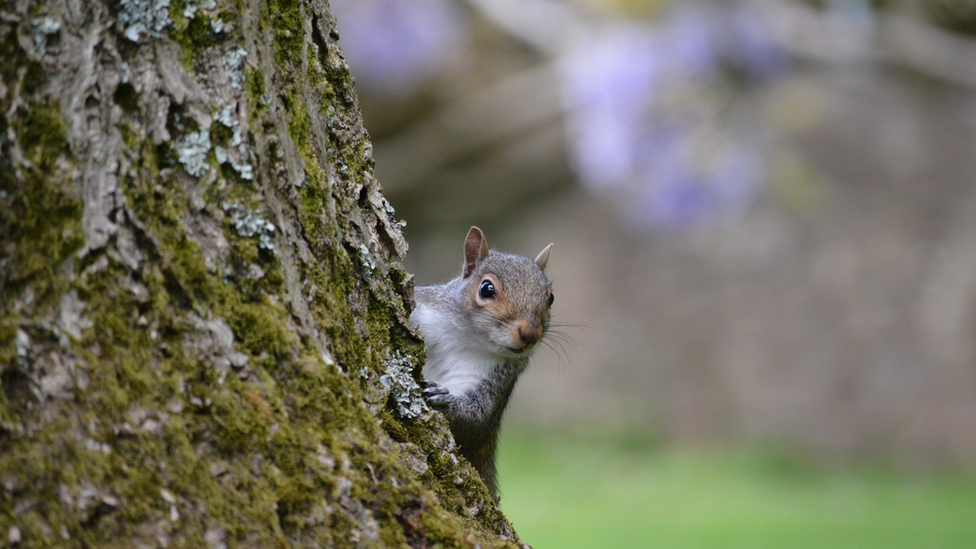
[[480, 329]]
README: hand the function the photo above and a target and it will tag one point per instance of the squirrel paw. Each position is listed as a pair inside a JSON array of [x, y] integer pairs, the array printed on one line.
[[435, 394]]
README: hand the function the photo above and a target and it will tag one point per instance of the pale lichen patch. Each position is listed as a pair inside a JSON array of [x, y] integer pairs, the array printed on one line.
[[192, 151], [403, 387], [41, 29], [235, 62], [144, 17], [248, 224]]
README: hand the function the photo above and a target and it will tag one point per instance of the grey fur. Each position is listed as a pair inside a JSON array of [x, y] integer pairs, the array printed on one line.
[[501, 334]]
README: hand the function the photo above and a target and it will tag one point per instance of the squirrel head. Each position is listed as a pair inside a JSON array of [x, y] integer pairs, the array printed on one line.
[[508, 297]]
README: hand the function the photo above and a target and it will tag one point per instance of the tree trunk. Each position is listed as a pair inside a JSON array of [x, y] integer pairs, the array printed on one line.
[[204, 338]]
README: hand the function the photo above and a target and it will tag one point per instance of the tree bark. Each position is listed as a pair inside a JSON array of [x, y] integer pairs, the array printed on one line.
[[204, 337]]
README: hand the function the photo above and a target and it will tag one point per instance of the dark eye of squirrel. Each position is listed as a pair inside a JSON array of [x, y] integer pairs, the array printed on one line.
[[552, 297], [487, 290]]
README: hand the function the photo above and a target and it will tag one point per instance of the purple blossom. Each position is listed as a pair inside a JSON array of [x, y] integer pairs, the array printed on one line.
[[753, 46], [604, 83], [394, 45], [677, 195], [690, 42], [642, 127]]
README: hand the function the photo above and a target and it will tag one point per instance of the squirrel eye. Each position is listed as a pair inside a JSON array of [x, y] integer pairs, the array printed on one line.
[[487, 290], [552, 297]]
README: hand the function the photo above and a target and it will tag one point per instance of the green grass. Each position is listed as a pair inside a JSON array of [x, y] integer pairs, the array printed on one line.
[[607, 492]]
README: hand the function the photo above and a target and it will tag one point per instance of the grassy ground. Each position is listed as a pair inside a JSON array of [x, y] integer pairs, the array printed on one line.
[[607, 492]]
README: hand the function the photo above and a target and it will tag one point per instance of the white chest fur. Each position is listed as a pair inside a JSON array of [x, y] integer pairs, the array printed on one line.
[[453, 361]]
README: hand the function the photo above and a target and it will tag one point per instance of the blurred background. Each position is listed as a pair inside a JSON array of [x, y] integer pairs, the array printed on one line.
[[764, 216]]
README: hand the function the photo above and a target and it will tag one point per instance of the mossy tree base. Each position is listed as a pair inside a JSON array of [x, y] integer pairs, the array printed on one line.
[[204, 337]]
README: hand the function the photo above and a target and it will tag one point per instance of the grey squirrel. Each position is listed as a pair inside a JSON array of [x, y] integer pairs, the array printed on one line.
[[480, 330]]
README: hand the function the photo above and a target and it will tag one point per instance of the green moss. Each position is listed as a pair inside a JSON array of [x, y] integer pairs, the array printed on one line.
[[262, 331], [287, 19], [317, 77], [243, 414], [43, 226], [195, 33], [42, 133], [299, 128], [40, 223], [256, 94]]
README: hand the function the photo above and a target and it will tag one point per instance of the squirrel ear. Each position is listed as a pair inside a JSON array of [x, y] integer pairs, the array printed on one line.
[[475, 249], [543, 258]]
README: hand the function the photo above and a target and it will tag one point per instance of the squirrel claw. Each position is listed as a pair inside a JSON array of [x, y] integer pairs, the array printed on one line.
[[435, 394]]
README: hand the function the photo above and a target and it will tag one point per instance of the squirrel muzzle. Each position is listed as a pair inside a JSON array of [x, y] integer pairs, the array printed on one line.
[[525, 335]]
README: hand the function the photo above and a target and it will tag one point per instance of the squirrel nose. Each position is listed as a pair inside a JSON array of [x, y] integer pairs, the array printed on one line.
[[529, 335]]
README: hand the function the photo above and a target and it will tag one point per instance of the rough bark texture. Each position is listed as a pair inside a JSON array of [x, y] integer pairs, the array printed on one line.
[[204, 339]]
